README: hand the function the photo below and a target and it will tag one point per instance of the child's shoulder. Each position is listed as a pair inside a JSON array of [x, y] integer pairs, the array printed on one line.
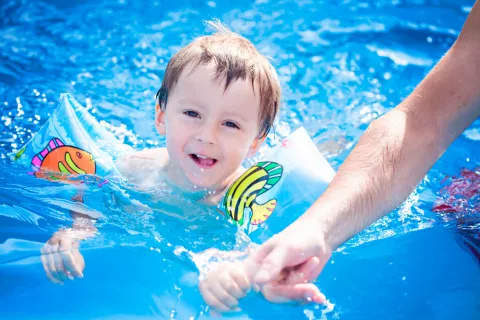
[[143, 164]]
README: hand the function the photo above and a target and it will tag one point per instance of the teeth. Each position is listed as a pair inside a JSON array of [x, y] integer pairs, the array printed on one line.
[[202, 157]]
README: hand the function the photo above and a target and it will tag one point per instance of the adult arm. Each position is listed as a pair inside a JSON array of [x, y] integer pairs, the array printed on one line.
[[390, 159]]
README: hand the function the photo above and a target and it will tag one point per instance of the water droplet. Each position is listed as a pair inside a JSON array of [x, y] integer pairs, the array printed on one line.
[[429, 39], [404, 278], [88, 102]]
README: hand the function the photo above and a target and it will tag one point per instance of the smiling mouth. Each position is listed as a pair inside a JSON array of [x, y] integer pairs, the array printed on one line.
[[203, 161]]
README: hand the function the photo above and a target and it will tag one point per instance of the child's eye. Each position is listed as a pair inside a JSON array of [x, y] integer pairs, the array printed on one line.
[[231, 124], [191, 113]]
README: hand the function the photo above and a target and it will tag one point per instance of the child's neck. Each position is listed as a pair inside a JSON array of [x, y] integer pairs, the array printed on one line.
[[209, 196]]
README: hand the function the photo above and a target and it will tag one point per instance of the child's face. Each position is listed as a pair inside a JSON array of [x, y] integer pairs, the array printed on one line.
[[209, 131]]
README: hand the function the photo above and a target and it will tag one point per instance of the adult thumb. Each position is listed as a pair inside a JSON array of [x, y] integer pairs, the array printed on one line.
[[271, 266]]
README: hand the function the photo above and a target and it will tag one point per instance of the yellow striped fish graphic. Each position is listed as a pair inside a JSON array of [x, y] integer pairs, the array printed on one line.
[[242, 194]]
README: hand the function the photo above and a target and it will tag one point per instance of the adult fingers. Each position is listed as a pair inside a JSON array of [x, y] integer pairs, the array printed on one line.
[[272, 265], [306, 272], [303, 292]]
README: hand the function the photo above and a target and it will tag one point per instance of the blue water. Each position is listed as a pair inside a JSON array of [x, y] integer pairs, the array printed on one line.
[[341, 63]]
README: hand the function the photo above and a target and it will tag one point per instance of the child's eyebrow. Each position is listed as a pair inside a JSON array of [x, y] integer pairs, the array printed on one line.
[[236, 115], [190, 101]]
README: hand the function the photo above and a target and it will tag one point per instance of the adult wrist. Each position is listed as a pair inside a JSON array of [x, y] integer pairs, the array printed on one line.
[[325, 225]]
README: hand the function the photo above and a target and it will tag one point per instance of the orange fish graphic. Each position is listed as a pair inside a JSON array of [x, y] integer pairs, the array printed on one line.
[[57, 157]]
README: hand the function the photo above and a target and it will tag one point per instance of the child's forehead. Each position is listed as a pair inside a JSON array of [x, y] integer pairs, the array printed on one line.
[[209, 76]]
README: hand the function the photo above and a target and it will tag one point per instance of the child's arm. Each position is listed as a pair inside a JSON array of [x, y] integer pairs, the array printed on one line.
[[143, 167], [61, 257]]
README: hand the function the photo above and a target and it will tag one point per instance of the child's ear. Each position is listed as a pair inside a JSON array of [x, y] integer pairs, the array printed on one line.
[[257, 143], [160, 119]]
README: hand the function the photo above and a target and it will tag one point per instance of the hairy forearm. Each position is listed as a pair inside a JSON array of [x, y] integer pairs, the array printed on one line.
[[378, 175], [398, 149]]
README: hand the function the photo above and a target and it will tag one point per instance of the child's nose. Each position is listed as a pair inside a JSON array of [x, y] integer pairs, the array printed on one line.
[[207, 134]]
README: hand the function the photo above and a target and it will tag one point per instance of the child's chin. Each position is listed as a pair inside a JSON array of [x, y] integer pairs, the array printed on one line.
[[199, 183]]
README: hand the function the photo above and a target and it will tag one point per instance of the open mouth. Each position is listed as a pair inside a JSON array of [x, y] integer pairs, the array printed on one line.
[[203, 161]]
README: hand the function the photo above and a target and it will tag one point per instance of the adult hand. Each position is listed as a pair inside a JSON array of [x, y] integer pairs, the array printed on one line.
[[292, 251], [293, 285]]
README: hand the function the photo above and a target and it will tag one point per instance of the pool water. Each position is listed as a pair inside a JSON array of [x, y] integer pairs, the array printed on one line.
[[341, 64]]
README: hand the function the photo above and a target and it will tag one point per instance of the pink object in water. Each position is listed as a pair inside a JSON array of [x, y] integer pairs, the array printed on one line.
[[286, 143], [457, 196]]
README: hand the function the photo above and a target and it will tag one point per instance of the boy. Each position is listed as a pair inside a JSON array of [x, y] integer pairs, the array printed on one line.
[[217, 102]]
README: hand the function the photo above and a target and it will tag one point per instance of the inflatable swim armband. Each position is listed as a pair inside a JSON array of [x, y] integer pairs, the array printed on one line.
[[273, 193], [71, 142]]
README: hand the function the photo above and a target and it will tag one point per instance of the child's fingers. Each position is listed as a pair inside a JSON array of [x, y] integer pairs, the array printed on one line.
[[240, 276], [49, 275], [49, 251], [232, 289], [68, 258], [235, 282], [224, 297], [210, 298], [59, 267]]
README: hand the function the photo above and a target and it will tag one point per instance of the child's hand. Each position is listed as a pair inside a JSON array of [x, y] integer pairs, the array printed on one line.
[[61, 257], [223, 286]]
